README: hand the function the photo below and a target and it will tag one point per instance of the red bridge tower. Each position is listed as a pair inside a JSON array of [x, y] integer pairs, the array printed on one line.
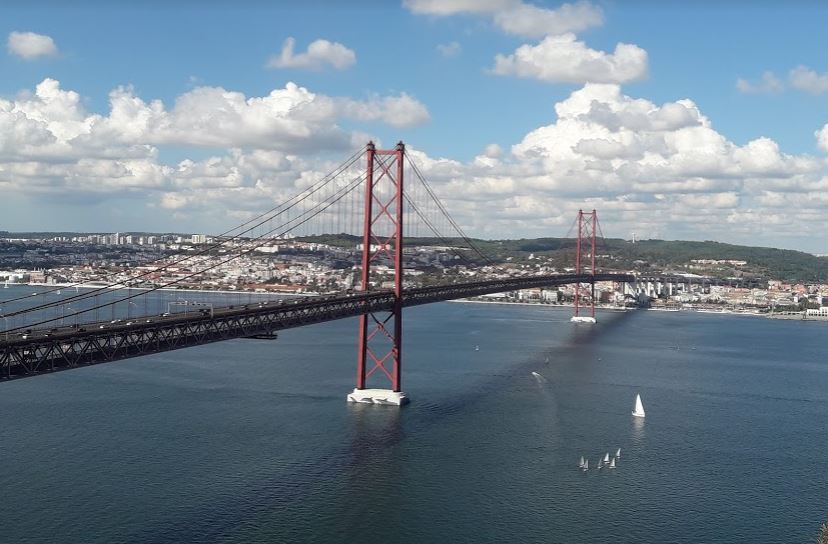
[[380, 335], [585, 257]]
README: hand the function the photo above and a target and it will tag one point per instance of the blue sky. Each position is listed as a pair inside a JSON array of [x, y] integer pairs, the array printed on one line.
[[456, 105]]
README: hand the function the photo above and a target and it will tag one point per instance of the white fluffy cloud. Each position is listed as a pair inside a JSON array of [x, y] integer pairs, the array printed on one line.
[[565, 59], [800, 78], [29, 45], [822, 138], [453, 7], [320, 54], [50, 144], [769, 84], [654, 169], [517, 17], [559, 57], [806, 79], [53, 122], [533, 22], [658, 170], [397, 111]]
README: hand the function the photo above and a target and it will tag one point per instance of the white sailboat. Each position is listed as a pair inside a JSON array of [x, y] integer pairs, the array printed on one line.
[[586, 466], [599, 463], [581, 464], [618, 453], [639, 407], [606, 458], [612, 463]]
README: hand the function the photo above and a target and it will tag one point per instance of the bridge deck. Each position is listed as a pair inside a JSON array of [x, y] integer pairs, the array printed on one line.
[[49, 350]]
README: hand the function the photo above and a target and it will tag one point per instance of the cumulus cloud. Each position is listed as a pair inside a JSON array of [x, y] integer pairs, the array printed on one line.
[[822, 138], [517, 17], [800, 78], [565, 59], [531, 21], [656, 169], [320, 54], [453, 7], [806, 79], [29, 45], [493, 151], [769, 84], [50, 143], [559, 57], [397, 111], [288, 118]]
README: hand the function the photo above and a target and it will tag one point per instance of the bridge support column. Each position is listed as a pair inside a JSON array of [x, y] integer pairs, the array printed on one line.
[[380, 334]]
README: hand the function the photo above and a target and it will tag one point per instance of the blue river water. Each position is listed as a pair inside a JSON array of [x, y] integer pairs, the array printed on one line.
[[251, 441]]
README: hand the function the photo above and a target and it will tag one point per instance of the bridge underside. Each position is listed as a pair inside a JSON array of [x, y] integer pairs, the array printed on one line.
[[95, 343]]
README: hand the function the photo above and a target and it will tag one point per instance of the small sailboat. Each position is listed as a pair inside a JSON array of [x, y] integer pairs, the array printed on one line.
[[606, 458], [599, 463], [618, 453], [639, 407], [612, 463], [581, 464], [586, 466], [476, 348]]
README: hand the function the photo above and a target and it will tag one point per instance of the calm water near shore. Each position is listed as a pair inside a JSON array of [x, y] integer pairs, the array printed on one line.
[[252, 441]]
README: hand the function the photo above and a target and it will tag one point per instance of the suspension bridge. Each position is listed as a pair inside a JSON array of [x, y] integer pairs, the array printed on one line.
[[367, 195]]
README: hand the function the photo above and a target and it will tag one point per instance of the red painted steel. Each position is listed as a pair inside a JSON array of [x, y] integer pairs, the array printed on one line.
[[380, 342], [366, 257], [587, 231]]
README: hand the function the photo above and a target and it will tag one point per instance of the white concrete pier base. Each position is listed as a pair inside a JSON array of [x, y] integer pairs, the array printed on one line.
[[378, 396], [582, 319]]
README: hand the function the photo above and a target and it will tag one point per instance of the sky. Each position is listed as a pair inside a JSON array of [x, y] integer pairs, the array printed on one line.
[[674, 120]]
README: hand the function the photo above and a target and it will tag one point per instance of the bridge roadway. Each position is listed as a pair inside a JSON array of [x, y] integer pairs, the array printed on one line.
[[39, 351]]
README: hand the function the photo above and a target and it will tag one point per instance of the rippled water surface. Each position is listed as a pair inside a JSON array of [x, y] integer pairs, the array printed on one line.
[[252, 441]]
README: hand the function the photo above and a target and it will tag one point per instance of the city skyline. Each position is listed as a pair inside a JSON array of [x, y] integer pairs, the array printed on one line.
[[193, 118]]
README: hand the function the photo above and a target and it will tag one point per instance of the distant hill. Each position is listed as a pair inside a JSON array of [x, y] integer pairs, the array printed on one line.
[[613, 253], [656, 255]]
